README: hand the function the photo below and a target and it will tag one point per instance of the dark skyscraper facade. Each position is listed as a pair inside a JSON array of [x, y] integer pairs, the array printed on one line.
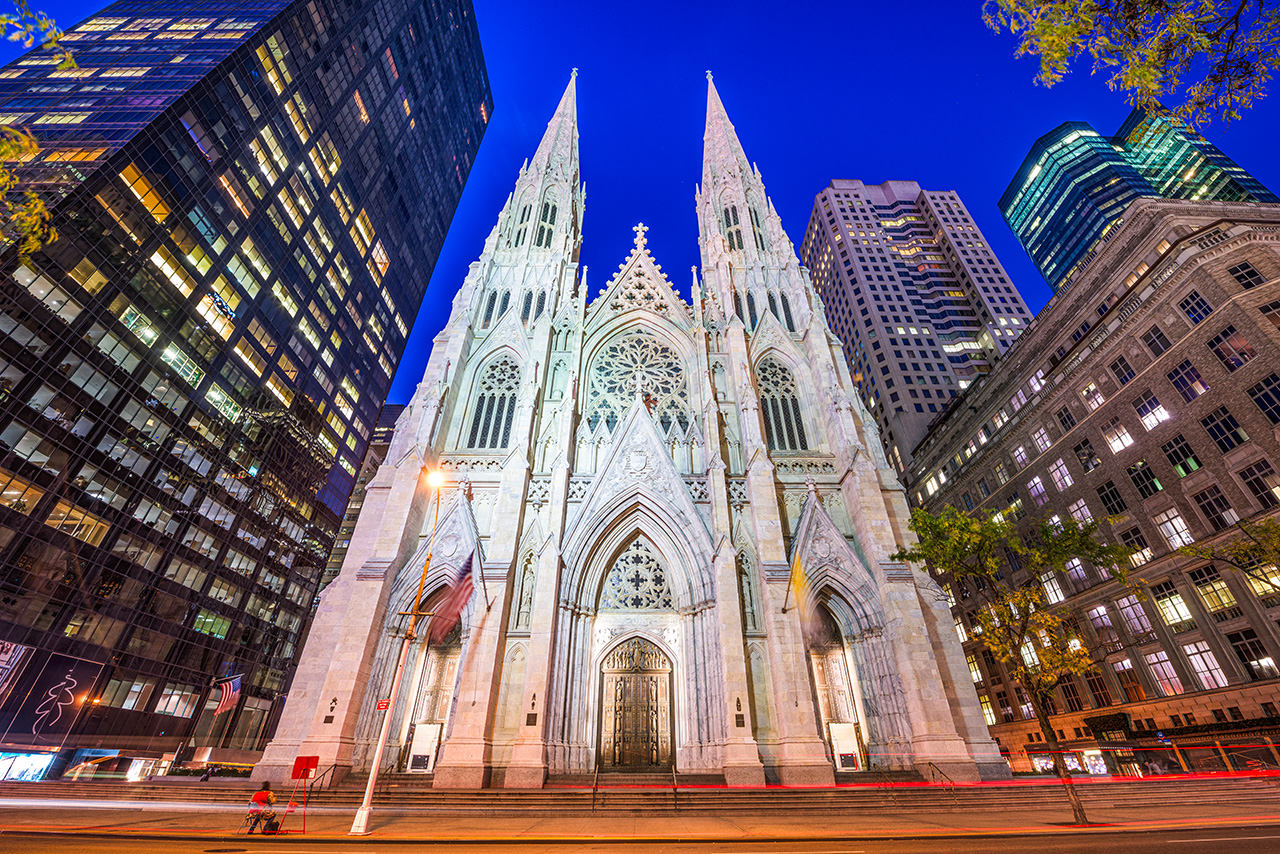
[[1073, 187], [249, 197]]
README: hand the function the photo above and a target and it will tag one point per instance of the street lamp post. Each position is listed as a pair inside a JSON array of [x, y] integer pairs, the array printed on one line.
[[360, 826]]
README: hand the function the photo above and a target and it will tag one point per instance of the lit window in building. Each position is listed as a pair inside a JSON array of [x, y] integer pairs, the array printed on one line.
[[1150, 411], [1205, 665]]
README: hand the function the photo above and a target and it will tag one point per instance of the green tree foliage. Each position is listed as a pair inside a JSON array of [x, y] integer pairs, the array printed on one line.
[[24, 219], [1003, 571], [1208, 58], [1255, 552]]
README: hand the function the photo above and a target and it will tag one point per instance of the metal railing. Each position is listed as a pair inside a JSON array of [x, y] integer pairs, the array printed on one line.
[[595, 783], [675, 802], [317, 780], [886, 782], [937, 775], [1243, 762]]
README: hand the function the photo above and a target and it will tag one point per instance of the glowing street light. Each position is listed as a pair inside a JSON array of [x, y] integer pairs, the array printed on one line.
[[360, 826]]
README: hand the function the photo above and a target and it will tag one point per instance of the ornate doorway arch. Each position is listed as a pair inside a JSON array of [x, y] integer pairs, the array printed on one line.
[[635, 706]]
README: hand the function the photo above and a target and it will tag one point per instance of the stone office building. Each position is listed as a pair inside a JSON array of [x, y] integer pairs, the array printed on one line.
[[1146, 396], [921, 304]]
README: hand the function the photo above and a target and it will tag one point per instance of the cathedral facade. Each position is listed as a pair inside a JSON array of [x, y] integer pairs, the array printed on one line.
[[681, 520]]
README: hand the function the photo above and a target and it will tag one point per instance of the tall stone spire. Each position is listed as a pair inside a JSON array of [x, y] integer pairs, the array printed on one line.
[[738, 224], [558, 150], [543, 217], [722, 154]]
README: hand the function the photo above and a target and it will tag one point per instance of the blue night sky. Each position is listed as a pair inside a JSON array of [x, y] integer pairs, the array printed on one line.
[[817, 91]]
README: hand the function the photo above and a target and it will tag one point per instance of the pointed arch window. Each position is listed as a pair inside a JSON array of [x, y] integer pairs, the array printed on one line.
[[502, 306], [751, 308], [496, 404], [780, 406], [758, 229], [737, 305], [523, 226], [732, 227], [489, 305], [526, 307], [786, 313], [773, 306], [542, 305], [546, 225], [637, 581]]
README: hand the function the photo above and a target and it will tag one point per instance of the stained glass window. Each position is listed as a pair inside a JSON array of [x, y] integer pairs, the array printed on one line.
[[491, 424]]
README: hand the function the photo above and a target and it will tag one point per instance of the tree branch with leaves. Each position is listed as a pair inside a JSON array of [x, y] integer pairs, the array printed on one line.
[[1036, 641], [1209, 58], [1254, 552], [24, 217]]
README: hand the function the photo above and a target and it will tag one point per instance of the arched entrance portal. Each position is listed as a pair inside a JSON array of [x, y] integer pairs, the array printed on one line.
[[635, 703], [836, 692]]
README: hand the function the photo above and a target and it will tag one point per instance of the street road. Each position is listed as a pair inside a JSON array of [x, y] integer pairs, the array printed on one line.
[[1255, 840]]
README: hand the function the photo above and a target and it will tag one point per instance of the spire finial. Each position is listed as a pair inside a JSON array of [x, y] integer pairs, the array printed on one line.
[[573, 74], [640, 229], [709, 77]]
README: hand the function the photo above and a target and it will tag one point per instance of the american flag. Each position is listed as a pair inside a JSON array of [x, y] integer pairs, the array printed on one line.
[[449, 611], [230, 689]]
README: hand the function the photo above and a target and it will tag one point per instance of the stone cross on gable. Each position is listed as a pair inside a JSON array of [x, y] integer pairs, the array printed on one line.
[[640, 229]]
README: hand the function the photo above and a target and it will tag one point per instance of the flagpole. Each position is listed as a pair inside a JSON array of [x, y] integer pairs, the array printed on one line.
[[360, 825], [791, 577], [483, 586]]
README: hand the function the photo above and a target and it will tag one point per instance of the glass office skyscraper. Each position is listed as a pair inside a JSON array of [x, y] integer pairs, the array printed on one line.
[[1074, 185], [249, 198]]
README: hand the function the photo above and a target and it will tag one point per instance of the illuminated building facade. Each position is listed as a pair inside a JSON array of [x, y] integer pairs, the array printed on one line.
[[631, 479], [1073, 187], [249, 197], [913, 290], [374, 456], [1146, 398]]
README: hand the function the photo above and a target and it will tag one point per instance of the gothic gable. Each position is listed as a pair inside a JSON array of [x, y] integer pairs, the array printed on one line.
[[769, 334], [507, 331], [637, 470], [639, 284], [456, 538], [828, 561]]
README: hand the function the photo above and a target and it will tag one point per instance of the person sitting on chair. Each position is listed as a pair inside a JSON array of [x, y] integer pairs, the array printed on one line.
[[260, 811]]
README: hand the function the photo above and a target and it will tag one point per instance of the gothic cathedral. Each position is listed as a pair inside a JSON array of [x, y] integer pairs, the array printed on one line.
[[681, 521]]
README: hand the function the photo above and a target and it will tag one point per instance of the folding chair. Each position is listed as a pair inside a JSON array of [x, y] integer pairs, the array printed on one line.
[[251, 818]]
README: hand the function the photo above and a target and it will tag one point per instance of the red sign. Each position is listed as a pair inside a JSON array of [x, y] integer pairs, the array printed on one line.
[[383, 705], [304, 767]]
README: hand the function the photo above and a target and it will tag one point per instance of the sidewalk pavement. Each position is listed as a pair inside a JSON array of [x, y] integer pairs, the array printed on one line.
[[151, 820]]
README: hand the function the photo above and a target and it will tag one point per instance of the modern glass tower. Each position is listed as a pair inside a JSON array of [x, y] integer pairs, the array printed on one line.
[[374, 456], [1074, 185], [249, 198]]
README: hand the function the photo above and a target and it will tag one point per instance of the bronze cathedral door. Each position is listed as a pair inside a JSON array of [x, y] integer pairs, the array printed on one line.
[[635, 719]]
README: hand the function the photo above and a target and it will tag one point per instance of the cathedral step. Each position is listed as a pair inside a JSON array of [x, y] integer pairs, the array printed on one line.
[[623, 779], [409, 794], [874, 777]]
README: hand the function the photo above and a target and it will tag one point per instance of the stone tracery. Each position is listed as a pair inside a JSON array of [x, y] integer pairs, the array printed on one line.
[[637, 361], [637, 581]]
